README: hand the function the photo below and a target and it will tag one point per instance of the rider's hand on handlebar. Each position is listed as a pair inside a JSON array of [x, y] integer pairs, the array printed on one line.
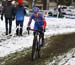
[[28, 28]]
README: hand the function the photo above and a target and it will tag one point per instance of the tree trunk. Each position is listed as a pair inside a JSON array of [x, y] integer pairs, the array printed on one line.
[[44, 4]]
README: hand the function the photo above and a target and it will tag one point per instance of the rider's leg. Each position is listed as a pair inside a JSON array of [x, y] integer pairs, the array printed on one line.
[[42, 36]]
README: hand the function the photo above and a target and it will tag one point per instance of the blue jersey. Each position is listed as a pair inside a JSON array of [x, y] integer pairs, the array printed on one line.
[[38, 21]]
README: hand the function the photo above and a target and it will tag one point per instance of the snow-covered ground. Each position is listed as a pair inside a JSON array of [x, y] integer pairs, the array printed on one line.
[[54, 26], [65, 59]]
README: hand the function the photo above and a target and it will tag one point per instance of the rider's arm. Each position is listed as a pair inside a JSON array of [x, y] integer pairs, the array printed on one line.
[[44, 21], [30, 20]]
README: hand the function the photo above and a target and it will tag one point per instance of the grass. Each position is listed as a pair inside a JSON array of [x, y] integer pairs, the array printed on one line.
[[54, 46]]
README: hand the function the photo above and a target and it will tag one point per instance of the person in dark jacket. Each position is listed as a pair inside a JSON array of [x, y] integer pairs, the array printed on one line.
[[19, 15], [4, 2], [8, 13]]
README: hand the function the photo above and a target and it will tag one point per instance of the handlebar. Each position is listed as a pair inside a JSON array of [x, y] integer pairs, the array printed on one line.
[[33, 30]]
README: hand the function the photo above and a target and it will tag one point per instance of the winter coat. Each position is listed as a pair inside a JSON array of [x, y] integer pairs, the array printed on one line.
[[20, 13], [8, 11]]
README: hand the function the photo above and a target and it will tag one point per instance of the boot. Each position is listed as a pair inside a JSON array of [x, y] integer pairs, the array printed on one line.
[[9, 31], [17, 31], [20, 31], [6, 32]]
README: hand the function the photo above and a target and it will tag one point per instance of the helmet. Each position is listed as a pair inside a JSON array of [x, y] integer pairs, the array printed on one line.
[[35, 9]]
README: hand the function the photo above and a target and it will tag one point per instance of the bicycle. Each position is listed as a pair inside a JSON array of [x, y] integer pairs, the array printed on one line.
[[36, 47]]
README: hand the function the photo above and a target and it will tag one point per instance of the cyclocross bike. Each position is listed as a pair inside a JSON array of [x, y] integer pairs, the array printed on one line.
[[36, 47]]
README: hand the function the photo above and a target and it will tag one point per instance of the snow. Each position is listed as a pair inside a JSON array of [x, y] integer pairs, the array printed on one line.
[[54, 26], [65, 59], [71, 62]]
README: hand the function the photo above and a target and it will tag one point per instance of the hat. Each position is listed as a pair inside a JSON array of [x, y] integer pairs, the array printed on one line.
[[20, 1]]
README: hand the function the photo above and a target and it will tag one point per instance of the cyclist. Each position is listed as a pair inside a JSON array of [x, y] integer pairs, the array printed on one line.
[[40, 23]]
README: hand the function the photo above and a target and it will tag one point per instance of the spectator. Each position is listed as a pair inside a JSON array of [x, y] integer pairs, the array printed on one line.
[[8, 13], [19, 14]]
